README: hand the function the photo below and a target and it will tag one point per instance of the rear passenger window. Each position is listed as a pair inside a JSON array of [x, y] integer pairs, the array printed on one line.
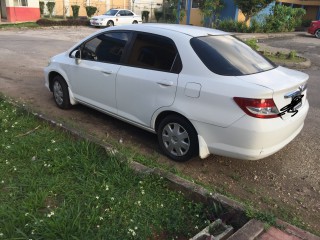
[[155, 52], [105, 47]]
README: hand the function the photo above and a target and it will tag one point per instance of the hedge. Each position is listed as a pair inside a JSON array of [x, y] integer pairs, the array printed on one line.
[[68, 22]]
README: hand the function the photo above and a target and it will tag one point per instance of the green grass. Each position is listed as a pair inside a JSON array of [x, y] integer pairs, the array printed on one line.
[[53, 186], [19, 25], [284, 58]]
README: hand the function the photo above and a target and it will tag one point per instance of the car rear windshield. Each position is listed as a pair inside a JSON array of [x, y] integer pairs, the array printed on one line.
[[228, 56]]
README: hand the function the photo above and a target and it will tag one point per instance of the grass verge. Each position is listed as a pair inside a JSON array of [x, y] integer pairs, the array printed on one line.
[[19, 25], [53, 186]]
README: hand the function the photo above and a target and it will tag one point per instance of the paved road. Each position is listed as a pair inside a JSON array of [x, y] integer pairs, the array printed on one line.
[[287, 182]]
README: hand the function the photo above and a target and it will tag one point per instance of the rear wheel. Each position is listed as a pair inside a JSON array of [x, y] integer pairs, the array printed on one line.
[[177, 138], [110, 23], [317, 34], [60, 92]]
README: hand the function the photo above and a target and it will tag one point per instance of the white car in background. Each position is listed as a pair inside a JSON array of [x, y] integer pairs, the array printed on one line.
[[115, 17], [200, 90]]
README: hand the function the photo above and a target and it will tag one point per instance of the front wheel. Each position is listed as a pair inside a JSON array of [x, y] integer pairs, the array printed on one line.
[[177, 138], [317, 34], [110, 23], [134, 22], [60, 92]]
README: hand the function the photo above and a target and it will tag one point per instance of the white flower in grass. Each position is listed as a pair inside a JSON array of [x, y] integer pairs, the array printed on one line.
[[142, 192], [14, 168], [107, 188], [50, 214], [112, 199], [98, 226], [161, 205], [97, 197], [132, 232], [56, 149], [6, 131], [1, 234], [8, 147], [26, 214], [7, 162], [53, 141], [2, 181], [100, 218], [135, 228], [196, 227]]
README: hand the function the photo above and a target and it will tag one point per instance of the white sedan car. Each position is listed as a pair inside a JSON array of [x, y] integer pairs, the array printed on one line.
[[116, 17], [202, 91]]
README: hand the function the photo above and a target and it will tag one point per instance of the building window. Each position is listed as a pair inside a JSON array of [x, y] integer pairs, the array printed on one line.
[[20, 3], [196, 3]]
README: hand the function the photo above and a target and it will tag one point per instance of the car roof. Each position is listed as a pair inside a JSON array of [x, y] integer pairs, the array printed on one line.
[[190, 30]]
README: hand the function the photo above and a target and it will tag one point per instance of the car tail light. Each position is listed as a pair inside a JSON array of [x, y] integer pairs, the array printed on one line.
[[258, 108]]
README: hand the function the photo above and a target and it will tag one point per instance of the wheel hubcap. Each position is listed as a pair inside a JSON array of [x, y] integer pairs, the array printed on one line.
[[318, 34], [58, 93], [175, 139]]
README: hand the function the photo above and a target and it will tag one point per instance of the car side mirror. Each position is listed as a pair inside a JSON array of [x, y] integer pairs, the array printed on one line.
[[118, 15], [76, 54]]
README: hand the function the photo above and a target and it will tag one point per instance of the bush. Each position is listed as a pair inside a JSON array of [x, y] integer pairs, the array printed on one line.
[[145, 15], [50, 6], [306, 22], [158, 14], [75, 11], [90, 11], [230, 25], [41, 5], [283, 19], [69, 22]]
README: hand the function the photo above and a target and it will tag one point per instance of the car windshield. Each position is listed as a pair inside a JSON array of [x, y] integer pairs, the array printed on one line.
[[228, 56], [111, 12]]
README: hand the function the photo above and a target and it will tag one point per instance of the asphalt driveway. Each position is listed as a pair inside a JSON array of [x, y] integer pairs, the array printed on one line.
[[287, 182]]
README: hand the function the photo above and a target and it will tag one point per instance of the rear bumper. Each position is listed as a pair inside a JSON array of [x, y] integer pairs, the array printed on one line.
[[311, 30], [252, 138]]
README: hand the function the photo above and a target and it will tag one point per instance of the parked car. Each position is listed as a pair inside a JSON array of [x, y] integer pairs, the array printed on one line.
[[314, 28], [115, 17], [200, 90]]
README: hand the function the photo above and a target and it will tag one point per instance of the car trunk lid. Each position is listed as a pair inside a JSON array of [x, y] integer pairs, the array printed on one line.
[[288, 86]]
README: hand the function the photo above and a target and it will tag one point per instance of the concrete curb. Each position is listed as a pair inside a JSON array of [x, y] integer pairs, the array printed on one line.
[[263, 47]]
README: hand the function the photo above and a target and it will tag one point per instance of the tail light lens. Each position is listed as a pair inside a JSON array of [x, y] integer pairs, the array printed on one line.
[[258, 108]]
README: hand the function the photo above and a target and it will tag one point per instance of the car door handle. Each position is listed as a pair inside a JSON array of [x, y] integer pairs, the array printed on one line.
[[107, 72], [165, 83]]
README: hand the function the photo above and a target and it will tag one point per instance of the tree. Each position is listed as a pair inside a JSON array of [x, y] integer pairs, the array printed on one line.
[[210, 10], [50, 7], [249, 8]]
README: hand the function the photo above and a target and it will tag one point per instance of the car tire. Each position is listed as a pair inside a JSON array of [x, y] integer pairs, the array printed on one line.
[[134, 22], [177, 138], [317, 33], [60, 92], [110, 23]]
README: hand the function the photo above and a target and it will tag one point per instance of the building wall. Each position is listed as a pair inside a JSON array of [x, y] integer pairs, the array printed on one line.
[[312, 12], [302, 2], [17, 13], [101, 5]]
